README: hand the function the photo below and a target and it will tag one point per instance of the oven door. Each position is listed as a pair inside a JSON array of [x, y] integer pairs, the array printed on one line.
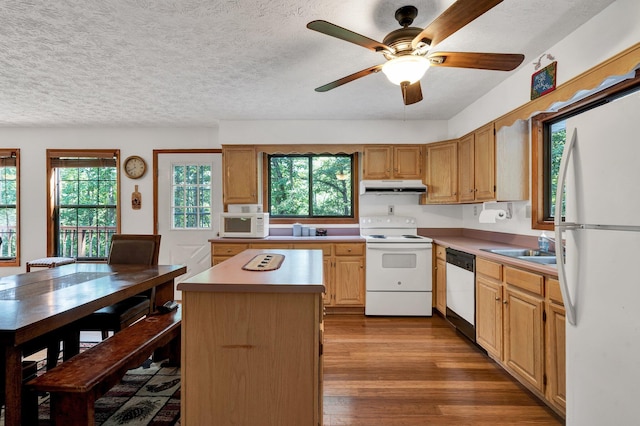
[[398, 267]]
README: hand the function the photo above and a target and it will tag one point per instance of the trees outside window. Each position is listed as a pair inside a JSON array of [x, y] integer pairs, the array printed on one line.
[[191, 196], [310, 186], [9, 206], [83, 197]]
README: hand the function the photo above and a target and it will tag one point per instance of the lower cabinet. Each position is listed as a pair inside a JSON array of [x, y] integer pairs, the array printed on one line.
[[523, 338], [344, 273], [489, 307], [440, 278], [520, 323], [555, 347]]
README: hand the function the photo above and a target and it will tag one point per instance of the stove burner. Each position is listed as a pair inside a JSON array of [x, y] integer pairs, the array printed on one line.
[[378, 236]]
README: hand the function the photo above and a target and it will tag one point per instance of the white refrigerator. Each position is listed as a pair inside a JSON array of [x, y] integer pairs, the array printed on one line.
[[600, 279]]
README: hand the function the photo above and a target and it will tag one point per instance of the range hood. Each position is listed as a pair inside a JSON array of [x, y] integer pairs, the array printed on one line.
[[391, 187]]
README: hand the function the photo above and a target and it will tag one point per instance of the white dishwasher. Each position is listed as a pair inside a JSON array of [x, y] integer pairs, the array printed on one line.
[[461, 292]]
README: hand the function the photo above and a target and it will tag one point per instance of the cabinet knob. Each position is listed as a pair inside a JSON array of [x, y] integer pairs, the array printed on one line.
[[505, 302], [471, 190], [497, 299], [349, 250]]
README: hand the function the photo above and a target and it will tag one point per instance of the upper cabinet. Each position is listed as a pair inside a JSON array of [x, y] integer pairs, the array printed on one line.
[[392, 162], [487, 167], [442, 173], [240, 177], [476, 165]]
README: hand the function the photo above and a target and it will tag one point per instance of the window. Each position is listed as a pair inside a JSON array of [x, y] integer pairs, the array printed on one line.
[[548, 141], [9, 206], [83, 205], [311, 186], [191, 196]]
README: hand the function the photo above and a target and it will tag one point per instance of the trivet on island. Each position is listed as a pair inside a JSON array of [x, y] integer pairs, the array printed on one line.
[[264, 262]]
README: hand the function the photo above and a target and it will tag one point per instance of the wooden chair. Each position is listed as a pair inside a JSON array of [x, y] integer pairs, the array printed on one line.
[[126, 249]]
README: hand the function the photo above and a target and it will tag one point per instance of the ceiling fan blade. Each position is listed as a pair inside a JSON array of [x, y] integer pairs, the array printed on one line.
[[411, 93], [451, 20], [480, 61], [349, 78], [347, 35]]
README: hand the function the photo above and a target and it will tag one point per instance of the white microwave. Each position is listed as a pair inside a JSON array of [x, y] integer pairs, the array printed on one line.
[[244, 225]]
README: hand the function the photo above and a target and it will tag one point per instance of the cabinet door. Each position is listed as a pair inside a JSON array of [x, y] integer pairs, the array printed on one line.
[[466, 173], [407, 162], [441, 286], [240, 180], [349, 281], [442, 172], [485, 163], [329, 294], [523, 339], [489, 315], [555, 354], [377, 162]]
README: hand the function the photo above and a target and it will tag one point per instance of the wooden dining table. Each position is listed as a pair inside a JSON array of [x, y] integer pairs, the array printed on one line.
[[40, 302]]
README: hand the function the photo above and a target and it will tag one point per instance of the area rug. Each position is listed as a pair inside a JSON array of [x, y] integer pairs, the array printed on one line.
[[147, 395]]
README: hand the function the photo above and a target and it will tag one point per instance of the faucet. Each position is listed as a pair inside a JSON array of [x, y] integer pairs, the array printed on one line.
[[548, 244]]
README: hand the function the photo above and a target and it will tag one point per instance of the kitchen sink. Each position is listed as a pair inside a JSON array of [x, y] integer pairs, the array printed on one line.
[[530, 255]]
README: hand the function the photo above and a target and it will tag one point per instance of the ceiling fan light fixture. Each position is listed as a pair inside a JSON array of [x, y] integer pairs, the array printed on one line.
[[409, 68]]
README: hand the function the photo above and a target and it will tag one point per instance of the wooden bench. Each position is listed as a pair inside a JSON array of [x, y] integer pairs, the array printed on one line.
[[75, 384], [49, 262]]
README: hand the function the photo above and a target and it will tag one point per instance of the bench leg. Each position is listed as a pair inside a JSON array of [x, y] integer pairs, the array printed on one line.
[[73, 409]]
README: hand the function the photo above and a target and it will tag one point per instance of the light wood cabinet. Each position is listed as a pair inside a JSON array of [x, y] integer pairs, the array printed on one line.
[[556, 391], [392, 162], [476, 165], [466, 170], [489, 307], [484, 158], [344, 263], [442, 173], [440, 279], [523, 326], [250, 355], [349, 275], [240, 177]]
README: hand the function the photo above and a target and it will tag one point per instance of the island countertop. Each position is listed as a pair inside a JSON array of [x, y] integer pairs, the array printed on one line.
[[300, 272]]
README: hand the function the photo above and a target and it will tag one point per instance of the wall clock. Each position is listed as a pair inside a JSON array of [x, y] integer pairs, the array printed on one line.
[[135, 167]]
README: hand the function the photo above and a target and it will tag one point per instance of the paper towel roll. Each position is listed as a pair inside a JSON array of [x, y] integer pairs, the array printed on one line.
[[490, 216]]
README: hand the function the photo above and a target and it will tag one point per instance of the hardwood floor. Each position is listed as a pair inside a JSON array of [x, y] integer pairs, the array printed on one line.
[[417, 371]]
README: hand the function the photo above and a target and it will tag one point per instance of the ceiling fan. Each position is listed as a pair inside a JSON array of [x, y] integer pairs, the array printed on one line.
[[408, 50]]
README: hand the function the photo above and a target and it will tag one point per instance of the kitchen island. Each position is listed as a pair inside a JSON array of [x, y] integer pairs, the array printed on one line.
[[252, 341]]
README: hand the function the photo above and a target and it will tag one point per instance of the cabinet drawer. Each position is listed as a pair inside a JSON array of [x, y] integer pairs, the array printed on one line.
[[524, 280], [228, 249], [553, 290], [489, 269], [270, 246], [441, 252], [325, 247], [346, 249]]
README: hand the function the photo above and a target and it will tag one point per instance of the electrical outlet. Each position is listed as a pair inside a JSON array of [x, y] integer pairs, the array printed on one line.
[[475, 210], [527, 211], [390, 210]]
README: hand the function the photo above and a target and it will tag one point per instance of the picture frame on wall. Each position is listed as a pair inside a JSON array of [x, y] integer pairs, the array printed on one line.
[[544, 81]]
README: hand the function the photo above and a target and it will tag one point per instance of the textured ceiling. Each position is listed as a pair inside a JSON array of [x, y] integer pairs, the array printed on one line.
[[194, 62]]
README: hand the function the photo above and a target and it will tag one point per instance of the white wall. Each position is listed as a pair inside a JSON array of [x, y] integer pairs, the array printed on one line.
[[33, 144], [613, 30], [331, 132]]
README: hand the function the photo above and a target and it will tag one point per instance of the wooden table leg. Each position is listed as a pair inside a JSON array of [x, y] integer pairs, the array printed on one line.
[[164, 293], [12, 385]]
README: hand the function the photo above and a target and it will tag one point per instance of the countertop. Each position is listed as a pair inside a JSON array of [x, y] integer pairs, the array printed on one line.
[[300, 272], [474, 246]]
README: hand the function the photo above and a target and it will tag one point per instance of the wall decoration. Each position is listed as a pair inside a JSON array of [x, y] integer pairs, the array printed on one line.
[[136, 199], [544, 81]]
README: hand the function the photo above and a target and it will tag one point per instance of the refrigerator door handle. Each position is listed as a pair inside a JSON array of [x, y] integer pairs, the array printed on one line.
[[559, 226]]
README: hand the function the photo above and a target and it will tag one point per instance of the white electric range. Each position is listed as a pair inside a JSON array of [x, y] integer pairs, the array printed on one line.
[[398, 272]]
